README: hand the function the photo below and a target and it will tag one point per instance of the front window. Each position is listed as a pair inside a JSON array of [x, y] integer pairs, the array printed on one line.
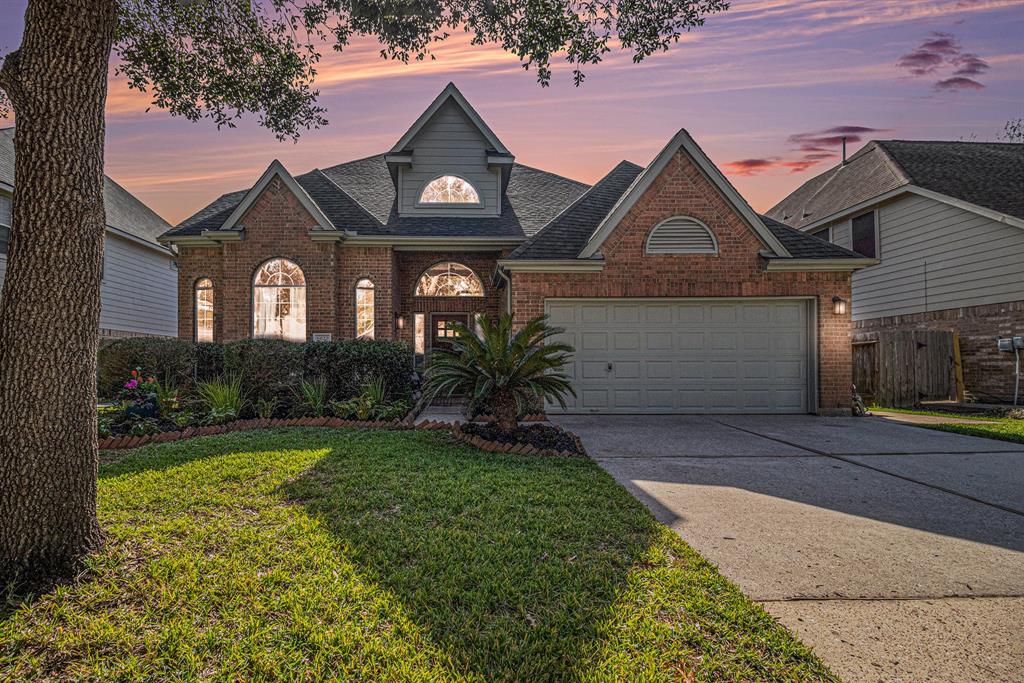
[[279, 301], [204, 310], [364, 309], [449, 189], [5, 222], [449, 279], [865, 239]]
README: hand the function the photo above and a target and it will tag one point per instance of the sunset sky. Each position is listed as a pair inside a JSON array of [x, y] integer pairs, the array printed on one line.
[[765, 88]]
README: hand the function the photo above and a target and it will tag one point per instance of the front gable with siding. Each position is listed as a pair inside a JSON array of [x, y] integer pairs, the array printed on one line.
[[949, 237]]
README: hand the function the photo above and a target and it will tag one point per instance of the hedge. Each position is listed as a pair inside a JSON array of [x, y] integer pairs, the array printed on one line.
[[269, 368]]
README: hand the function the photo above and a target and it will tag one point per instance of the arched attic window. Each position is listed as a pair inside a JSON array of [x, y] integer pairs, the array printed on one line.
[[449, 189], [449, 279], [279, 301], [681, 235]]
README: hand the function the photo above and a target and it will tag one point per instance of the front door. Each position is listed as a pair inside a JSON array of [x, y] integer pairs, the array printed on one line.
[[442, 328]]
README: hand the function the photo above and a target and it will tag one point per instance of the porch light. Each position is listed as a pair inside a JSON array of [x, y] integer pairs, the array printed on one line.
[[839, 305], [400, 321]]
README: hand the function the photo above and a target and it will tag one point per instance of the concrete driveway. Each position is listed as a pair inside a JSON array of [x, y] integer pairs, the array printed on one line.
[[896, 552]]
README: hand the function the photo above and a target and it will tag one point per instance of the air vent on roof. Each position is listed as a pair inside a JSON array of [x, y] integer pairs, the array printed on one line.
[[681, 235]]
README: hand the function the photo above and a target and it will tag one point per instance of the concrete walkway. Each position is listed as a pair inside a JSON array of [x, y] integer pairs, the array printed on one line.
[[897, 553]]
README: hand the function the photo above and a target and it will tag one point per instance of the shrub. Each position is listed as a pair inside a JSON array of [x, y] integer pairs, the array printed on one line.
[[269, 369], [170, 360], [348, 365]]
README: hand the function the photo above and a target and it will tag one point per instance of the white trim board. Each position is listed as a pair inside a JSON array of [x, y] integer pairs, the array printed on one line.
[[643, 181]]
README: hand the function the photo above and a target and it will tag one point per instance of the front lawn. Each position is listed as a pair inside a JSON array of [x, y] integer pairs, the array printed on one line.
[[313, 554], [1004, 430]]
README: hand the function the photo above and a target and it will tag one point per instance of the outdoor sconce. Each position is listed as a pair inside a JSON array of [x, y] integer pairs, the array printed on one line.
[[839, 305], [400, 321]]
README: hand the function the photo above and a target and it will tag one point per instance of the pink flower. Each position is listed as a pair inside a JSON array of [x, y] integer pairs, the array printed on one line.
[[131, 384]]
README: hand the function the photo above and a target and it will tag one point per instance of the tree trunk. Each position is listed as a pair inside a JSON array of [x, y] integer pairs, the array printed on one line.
[[49, 311], [504, 407]]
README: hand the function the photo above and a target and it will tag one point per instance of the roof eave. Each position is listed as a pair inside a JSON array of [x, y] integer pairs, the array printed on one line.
[[818, 265], [552, 265]]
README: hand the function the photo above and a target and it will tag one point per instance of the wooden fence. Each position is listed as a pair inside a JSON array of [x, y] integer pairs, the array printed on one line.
[[901, 369]]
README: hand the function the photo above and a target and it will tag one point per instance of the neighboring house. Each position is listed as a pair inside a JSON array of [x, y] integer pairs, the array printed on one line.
[[675, 294], [946, 221], [139, 292]]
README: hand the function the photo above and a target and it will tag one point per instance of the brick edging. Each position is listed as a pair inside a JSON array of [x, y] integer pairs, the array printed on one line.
[[129, 441], [515, 449]]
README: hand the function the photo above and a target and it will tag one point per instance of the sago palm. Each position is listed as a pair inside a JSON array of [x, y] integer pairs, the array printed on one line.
[[502, 370]]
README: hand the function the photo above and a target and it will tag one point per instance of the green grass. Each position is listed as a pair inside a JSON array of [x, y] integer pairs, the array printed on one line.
[[314, 554], [936, 413], [1004, 430]]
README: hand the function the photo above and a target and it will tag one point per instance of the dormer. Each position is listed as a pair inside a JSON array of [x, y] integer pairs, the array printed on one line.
[[450, 163]]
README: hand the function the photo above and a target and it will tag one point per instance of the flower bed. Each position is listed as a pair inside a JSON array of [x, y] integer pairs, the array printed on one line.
[[536, 439]]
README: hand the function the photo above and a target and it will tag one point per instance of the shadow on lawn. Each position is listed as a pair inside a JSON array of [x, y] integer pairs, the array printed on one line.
[[510, 564]]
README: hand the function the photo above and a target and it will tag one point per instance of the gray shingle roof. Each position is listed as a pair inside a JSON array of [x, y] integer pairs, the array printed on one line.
[[802, 245], [566, 235], [988, 174], [125, 212], [360, 196]]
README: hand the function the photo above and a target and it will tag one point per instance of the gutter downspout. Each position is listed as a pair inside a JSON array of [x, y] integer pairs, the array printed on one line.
[[508, 289]]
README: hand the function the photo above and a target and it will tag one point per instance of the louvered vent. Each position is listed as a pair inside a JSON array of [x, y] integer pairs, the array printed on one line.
[[681, 235]]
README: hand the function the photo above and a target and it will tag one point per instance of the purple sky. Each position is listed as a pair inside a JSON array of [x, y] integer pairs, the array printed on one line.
[[767, 89]]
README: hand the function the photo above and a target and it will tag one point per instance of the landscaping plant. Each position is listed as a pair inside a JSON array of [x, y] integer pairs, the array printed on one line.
[[312, 395], [223, 399], [501, 371]]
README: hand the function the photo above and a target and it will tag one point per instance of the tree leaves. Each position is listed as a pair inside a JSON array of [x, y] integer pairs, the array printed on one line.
[[221, 59]]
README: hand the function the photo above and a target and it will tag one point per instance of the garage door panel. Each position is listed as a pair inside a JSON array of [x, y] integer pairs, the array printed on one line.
[[687, 356]]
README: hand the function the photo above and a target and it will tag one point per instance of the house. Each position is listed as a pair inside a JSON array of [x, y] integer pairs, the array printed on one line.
[[946, 222], [139, 292], [677, 296]]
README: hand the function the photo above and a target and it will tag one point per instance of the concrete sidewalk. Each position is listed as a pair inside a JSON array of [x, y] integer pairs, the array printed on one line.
[[896, 552]]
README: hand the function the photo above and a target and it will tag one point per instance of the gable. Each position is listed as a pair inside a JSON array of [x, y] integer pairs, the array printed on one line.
[[449, 144], [682, 178], [276, 172]]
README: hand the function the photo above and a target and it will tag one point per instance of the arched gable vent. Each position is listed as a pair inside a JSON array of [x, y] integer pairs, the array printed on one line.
[[681, 235]]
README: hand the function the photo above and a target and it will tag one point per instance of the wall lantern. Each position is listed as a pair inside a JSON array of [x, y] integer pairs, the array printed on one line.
[[839, 305], [400, 321]]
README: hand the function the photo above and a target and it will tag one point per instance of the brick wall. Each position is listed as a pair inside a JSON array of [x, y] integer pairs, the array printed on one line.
[[409, 265], [276, 225], [378, 265], [736, 271], [988, 374]]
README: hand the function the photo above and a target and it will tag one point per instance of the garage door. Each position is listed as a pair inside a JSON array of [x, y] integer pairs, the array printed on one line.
[[686, 355]]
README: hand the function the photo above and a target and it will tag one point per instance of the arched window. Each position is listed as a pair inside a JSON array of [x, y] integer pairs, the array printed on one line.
[[204, 310], [364, 309], [681, 235], [449, 279], [449, 189], [279, 301]]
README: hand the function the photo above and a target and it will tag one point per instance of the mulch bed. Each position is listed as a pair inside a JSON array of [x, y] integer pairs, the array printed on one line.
[[544, 439]]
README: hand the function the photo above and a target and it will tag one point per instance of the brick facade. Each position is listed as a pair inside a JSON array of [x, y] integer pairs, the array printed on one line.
[[736, 271], [277, 225], [988, 373]]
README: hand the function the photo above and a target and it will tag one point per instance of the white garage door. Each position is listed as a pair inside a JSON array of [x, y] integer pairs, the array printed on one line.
[[686, 355]]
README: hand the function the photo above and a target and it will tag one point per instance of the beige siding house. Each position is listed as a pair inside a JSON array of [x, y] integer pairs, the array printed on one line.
[[946, 222], [139, 293]]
